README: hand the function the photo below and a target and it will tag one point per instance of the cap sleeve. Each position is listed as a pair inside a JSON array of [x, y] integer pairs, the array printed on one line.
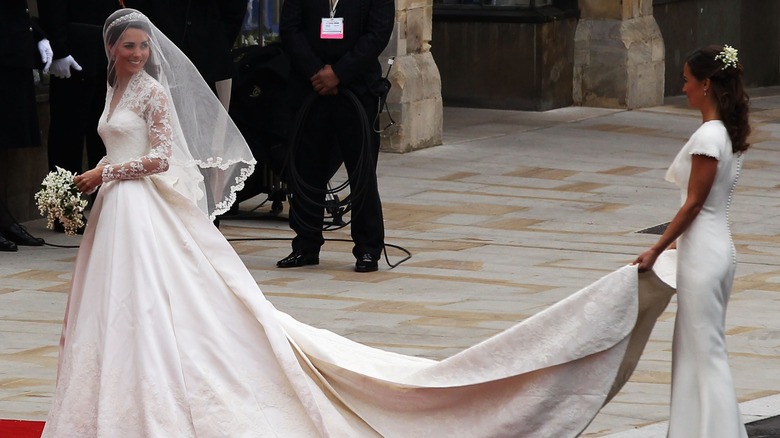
[[710, 140]]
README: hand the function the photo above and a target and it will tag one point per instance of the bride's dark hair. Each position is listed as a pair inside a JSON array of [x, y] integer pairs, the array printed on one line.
[[728, 89], [113, 33]]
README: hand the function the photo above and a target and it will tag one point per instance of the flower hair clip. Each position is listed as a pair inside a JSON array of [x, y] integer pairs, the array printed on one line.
[[728, 56]]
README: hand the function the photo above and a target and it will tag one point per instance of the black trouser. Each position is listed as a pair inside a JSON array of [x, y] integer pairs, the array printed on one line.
[[334, 127], [6, 219], [76, 104]]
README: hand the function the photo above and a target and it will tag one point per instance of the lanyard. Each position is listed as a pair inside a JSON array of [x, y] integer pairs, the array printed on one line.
[[333, 7]]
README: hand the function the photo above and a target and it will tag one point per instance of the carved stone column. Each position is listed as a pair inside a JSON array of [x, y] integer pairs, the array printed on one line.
[[415, 97], [618, 55]]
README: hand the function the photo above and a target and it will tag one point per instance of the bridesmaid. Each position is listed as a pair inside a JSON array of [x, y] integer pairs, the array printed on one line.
[[704, 402]]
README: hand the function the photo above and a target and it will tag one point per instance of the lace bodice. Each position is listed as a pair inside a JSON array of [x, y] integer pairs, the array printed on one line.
[[137, 132]]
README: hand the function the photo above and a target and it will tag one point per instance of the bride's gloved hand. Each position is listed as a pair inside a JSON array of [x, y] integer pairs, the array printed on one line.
[[90, 180], [61, 67], [44, 48]]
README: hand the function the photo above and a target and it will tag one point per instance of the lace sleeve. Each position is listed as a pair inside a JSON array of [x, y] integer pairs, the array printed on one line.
[[157, 116]]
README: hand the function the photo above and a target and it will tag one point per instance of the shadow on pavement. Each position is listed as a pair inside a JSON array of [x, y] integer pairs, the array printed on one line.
[[766, 428]]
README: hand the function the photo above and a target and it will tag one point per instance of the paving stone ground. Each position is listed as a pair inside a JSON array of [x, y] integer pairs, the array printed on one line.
[[515, 211]]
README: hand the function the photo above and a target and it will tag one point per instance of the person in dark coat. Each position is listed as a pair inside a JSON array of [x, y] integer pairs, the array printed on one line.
[[205, 30], [78, 79], [334, 48], [19, 36]]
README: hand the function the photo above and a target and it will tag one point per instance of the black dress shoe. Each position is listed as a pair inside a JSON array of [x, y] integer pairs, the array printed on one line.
[[366, 263], [299, 258], [18, 234], [7, 245]]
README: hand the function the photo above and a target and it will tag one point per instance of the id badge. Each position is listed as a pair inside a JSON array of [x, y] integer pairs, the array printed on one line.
[[332, 28]]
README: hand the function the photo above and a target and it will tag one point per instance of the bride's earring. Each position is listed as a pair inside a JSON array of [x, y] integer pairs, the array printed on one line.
[[705, 91]]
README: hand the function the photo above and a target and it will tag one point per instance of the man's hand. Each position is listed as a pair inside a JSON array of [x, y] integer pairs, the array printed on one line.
[[61, 67], [44, 48], [325, 82]]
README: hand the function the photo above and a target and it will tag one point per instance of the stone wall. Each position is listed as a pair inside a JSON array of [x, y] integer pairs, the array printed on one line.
[[414, 101], [619, 55]]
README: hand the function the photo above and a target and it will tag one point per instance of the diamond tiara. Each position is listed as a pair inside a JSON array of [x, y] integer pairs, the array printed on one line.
[[133, 16]]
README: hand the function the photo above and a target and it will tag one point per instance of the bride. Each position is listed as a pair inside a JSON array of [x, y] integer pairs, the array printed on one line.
[[166, 333]]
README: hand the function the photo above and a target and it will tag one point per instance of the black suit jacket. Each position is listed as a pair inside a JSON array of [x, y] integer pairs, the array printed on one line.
[[75, 27], [205, 30], [368, 25], [18, 36]]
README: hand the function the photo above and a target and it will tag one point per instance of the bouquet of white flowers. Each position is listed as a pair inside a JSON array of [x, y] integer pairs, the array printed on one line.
[[60, 200]]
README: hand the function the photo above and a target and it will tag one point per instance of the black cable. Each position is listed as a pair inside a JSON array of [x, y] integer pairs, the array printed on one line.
[[287, 239], [382, 104], [384, 246], [298, 185], [60, 246], [247, 214]]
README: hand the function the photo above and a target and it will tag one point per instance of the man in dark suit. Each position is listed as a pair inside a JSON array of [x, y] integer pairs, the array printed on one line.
[[19, 36], [205, 30], [334, 47], [77, 92]]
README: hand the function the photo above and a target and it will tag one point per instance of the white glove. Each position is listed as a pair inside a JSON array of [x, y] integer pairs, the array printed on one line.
[[44, 48], [61, 67]]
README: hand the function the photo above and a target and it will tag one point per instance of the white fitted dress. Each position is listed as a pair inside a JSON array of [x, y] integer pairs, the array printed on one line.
[[704, 402]]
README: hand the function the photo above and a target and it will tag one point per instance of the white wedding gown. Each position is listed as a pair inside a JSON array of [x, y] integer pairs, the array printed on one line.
[[166, 334]]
